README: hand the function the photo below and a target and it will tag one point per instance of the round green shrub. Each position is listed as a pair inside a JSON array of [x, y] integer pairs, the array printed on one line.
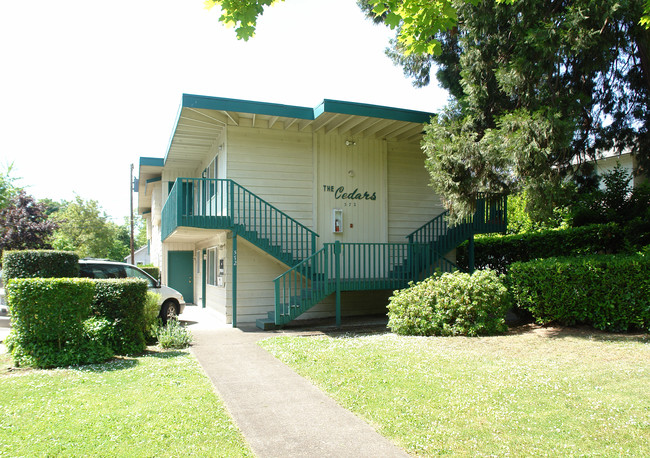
[[451, 304]]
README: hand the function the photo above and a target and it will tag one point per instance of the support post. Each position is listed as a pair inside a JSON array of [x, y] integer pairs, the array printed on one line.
[[277, 302], [203, 277], [234, 279], [131, 238], [337, 273], [470, 254]]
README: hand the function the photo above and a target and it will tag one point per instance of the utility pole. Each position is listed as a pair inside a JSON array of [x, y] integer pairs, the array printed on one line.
[[131, 188]]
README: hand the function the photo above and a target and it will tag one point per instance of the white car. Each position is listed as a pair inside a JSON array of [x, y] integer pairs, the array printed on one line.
[[172, 303]]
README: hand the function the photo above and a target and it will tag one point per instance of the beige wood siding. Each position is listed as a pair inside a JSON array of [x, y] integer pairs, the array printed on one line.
[[255, 287], [276, 165], [411, 201], [348, 165]]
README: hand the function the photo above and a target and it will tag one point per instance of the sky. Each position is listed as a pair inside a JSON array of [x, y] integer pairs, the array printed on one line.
[[87, 88]]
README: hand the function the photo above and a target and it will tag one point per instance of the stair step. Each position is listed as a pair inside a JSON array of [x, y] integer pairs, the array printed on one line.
[[265, 324]]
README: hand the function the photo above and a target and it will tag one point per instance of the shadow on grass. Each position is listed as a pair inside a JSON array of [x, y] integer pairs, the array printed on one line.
[[116, 363], [164, 354], [127, 362], [579, 332]]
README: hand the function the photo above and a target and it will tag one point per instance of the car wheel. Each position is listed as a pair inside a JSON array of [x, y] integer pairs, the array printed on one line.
[[168, 311]]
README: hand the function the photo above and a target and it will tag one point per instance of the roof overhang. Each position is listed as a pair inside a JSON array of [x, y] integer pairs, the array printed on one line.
[[149, 172], [201, 122]]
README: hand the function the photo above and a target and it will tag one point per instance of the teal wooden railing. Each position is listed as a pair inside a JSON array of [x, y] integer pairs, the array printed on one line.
[[352, 267], [489, 216], [224, 204], [372, 266]]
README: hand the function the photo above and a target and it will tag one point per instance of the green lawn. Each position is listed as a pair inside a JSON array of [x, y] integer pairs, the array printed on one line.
[[538, 392], [160, 404]]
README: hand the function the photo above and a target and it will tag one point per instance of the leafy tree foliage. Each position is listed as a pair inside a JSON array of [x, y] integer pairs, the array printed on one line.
[[85, 228], [24, 224], [241, 14], [8, 187]]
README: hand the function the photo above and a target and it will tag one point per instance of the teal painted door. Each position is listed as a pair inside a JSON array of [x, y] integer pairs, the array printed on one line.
[[180, 268]]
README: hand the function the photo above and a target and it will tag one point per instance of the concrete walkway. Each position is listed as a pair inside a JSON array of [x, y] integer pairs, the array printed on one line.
[[280, 413]]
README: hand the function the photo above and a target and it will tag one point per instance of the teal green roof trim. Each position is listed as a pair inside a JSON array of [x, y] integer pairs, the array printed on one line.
[[152, 161], [291, 111], [153, 180], [246, 106], [373, 111]]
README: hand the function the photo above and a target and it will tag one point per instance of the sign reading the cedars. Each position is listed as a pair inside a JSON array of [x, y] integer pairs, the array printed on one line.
[[342, 194]]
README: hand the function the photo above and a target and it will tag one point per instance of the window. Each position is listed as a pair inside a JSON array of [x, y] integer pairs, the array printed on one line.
[[135, 273], [212, 266]]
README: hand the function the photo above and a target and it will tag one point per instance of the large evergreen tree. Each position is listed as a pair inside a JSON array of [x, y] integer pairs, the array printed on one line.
[[537, 86]]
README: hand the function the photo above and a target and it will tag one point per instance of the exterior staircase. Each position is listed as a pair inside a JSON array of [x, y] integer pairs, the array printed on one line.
[[315, 274], [372, 266], [224, 204]]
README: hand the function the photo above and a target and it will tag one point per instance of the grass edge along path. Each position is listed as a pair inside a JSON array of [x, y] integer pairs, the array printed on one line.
[[532, 393], [158, 404]]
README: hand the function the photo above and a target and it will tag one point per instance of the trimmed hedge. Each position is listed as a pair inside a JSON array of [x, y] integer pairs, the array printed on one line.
[[151, 270], [608, 292], [122, 302], [39, 264], [49, 322], [451, 304], [498, 252]]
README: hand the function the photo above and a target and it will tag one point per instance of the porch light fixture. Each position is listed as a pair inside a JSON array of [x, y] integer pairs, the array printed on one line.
[[350, 143]]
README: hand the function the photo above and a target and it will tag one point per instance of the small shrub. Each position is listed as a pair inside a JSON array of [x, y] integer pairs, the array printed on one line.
[[39, 263], [173, 335], [151, 312], [451, 304], [608, 292], [122, 302]]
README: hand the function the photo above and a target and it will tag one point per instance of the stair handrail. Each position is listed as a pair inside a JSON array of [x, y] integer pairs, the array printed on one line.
[[229, 180], [480, 216], [268, 204], [290, 283], [205, 200]]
